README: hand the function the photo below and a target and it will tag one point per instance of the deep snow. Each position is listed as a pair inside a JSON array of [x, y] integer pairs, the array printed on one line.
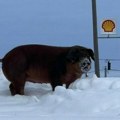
[[87, 99]]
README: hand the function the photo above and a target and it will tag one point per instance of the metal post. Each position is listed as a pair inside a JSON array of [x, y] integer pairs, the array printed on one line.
[[95, 38], [105, 71]]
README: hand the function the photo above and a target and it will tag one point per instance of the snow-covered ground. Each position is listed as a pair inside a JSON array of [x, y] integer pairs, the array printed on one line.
[[87, 99]]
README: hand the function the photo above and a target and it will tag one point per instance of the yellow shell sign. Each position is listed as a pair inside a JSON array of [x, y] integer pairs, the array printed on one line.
[[108, 26]]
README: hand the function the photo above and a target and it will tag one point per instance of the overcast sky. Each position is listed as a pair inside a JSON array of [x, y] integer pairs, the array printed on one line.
[[57, 22]]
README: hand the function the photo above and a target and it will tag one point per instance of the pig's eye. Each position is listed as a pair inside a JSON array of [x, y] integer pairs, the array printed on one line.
[[84, 64]]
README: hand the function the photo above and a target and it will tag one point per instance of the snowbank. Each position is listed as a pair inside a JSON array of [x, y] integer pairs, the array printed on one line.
[[86, 99]]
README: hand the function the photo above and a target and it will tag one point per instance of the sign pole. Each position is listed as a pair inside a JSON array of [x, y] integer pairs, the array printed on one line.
[[95, 38]]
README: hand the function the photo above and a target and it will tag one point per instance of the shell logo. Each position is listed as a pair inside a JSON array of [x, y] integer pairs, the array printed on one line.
[[108, 26]]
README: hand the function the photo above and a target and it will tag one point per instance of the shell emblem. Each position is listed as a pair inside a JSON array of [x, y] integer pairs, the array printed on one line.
[[108, 25]]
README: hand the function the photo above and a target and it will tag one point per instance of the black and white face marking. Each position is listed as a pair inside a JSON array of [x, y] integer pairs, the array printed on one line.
[[85, 65]]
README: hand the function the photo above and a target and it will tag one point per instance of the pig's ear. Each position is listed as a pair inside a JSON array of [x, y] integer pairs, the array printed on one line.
[[91, 53], [73, 55]]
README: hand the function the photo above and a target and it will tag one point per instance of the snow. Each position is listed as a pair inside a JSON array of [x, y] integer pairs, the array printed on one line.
[[89, 98]]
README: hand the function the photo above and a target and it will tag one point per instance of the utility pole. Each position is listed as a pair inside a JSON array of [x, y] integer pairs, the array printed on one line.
[[95, 38], [105, 69]]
